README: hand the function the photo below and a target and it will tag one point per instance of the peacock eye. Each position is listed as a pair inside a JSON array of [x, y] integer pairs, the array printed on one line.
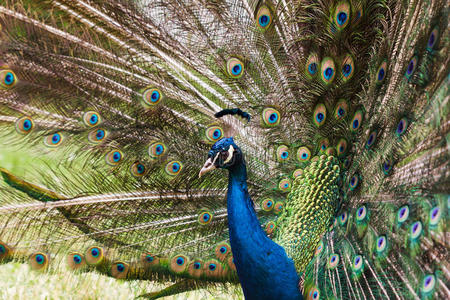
[[264, 17], [213, 133], [333, 261], [327, 70], [343, 218], [358, 263], [341, 14], [371, 139], [178, 263], [319, 114], [138, 169], [348, 68], [340, 111], [354, 182], [387, 167], [151, 96], [284, 185], [114, 157], [401, 126], [428, 284], [270, 117], [435, 216], [91, 118], [411, 66], [381, 73], [355, 124], [303, 154], [381, 244], [7, 79], [267, 204], [361, 213], [53, 140], [416, 230], [156, 149], [312, 65], [173, 168], [39, 261], [341, 147], [235, 67], [24, 125], [403, 214], [97, 135], [282, 153], [432, 39]]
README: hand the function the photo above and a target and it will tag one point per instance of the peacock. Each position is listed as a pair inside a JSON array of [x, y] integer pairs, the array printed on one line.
[[330, 118]]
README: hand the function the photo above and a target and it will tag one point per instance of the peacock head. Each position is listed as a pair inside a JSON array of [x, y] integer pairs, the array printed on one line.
[[223, 154]]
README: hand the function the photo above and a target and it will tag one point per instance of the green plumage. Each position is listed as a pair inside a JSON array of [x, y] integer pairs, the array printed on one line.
[[346, 148]]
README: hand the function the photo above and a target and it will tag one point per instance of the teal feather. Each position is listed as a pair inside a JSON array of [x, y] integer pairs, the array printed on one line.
[[342, 119]]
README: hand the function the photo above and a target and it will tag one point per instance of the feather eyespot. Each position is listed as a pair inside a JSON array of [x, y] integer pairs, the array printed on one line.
[[97, 135], [354, 182], [303, 154], [149, 259], [213, 268], [214, 133], [278, 207], [361, 213], [138, 169], [319, 248], [357, 264], [284, 185], [94, 255], [179, 263], [323, 144], [156, 149], [343, 218], [356, 122], [341, 147], [282, 153], [402, 214], [416, 230], [312, 65], [341, 109], [270, 227], [271, 117], [264, 17], [173, 168], [267, 204], [381, 72], [24, 125], [432, 39], [195, 268], [387, 167], [91, 118], [39, 261], [53, 140], [428, 284], [222, 250], [151, 97], [114, 157], [119, 270], [319, 114], [314, 294], [381, 244], [401, 126], [342, 14], [333, 261], [235, 67], [327, 70], [435, 216], [348, 68], [371, 139], [75, 260], [411, 66], [205, 217], [7, 79]]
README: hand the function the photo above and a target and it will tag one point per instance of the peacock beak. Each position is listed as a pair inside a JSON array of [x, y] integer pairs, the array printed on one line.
[[208, 166]]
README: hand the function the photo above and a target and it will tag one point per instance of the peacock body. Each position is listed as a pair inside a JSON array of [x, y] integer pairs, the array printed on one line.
[[330, 117]]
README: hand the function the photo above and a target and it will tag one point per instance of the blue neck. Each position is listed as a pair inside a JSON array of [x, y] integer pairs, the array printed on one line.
[[264, 270]]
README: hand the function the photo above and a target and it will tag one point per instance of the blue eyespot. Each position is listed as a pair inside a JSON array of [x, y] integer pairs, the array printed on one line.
[[120, 267], [341, 18], [401, 127], [77, 259], [9, 78], [40, 259], [212, 267], [100, 134], [381, 73], [347, 70], [236, 70], [155, 96], [328, 73], [387, 167], [223, 250], [264, 20], [197, 265], [180, 261], [411, 67], [27, 125], [116, 156], [149, 258], [312, 68], [53, 140], [2, 249], [95, 252], [94, 119]]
